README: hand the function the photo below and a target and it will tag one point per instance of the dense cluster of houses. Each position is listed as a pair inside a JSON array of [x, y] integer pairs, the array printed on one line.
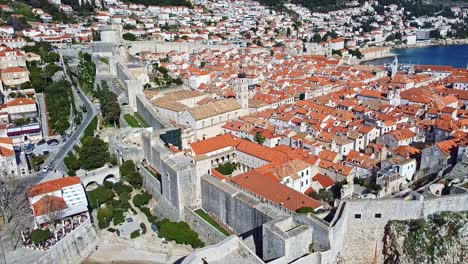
[[321, 122]]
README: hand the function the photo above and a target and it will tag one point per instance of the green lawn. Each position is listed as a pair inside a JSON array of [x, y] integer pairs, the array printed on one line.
[[211, 221], [131, 120], [89, 131], [141, 119]]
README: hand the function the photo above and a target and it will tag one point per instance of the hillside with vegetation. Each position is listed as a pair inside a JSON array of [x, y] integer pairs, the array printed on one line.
[[442, 238], [416, 8]]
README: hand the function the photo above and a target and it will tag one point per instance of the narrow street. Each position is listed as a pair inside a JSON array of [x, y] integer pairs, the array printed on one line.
[[72, 139]]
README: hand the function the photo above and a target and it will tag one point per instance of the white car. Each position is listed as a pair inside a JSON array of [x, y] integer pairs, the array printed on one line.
[[45, 169]]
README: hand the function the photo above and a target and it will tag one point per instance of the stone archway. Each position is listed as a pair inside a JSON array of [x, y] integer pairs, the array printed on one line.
[[110, 177], [91, 186]]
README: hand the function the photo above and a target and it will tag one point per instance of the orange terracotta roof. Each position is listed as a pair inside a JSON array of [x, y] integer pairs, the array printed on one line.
[[324, 181], [262, 152], [49, 204], [214, 143], [274, 191], [20, 101], [13, 70], [52, 186]]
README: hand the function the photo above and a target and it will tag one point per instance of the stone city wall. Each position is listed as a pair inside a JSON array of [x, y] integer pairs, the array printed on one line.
[[320, 231], [241, 212], [149, 114], [135, 47], [74, 248], [207, 232], [356, 237], [234, 208], [316, 258], [150, 183]]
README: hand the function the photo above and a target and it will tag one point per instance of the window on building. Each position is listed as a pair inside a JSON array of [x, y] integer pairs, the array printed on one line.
[[357, 216], [302, 174], [378, 215]]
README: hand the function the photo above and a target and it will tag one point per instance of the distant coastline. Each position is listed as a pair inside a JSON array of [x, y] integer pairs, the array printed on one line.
[[455, 55], [420, 45], [430, 43]]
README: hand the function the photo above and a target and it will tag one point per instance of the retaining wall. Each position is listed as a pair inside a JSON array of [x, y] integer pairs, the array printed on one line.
[[74, 248]]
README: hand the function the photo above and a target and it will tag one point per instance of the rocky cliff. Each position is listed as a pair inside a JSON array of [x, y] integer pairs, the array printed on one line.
[[440, 239]]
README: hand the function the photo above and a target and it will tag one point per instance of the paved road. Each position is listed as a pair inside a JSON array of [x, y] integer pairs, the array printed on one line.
[[73, 139]]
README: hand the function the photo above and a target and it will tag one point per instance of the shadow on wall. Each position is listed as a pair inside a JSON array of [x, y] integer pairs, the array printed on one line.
[[255, 235]]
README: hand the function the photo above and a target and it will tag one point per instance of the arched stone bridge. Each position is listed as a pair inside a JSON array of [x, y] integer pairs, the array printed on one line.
[[98, 176]]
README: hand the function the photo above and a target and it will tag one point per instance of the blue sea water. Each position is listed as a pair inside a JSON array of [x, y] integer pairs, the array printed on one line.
[[453, 55]]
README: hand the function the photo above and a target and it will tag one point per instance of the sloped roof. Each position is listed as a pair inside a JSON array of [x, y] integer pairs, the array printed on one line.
[[274, 191], [52, 186]]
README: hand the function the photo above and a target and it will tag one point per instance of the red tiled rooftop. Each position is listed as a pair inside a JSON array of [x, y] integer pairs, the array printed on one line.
[[52, 186], [274, 191]]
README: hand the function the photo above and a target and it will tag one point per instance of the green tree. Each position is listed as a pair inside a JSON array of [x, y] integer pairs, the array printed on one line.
[[316, 38], [93, 153], [227, 168], [259, 138], [128, 167], [135, 179], [104, 216], [72, 162], [141, 199], [40, 235], [180, 232], [110, 107], [99, 196], [51, 57], [129, 36], [305, 210]]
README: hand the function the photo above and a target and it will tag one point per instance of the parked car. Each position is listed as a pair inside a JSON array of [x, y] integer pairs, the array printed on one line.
[[42, 142], [45, 169]]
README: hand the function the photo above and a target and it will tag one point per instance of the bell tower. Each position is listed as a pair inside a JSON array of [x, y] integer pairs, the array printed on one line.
[[242, 90], [394, 67]]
